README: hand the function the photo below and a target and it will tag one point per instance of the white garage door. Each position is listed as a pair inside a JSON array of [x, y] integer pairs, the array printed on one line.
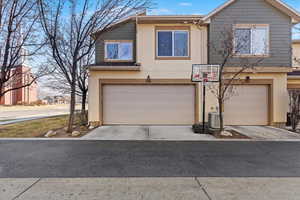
[[148, 104], [248, 106]]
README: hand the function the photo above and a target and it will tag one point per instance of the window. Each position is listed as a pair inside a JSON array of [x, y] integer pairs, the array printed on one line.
[[118, 51], [251, 40], [172, 43]]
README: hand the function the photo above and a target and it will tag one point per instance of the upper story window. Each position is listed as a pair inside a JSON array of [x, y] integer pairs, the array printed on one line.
[[119, 50], [251, 40], [172, 44]]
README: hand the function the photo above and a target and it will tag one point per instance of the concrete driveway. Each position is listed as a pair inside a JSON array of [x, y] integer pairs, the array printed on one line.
[[178, 133], [184, 133], [266, 133]]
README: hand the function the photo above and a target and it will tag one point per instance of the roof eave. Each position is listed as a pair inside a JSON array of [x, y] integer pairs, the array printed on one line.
[[295, 16]]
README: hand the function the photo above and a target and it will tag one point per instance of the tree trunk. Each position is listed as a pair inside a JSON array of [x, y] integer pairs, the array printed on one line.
[[294, 121], [83, 110], [221, 115], [220, 101], [1, 89], [73, 100], [72, 109]]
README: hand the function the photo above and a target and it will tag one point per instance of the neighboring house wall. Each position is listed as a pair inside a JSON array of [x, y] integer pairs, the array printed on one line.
[[126, 31], [294, 77], [296, 54], [254, 12]]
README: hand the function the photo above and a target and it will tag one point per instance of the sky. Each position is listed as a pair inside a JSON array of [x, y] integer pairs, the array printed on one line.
[[197, 7]]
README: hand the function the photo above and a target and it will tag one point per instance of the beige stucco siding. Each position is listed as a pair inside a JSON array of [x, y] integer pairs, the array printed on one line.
[[169, 68]]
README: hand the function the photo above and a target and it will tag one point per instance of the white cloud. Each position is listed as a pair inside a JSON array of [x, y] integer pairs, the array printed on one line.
[[197, 14], [160, 11], [185, 4]]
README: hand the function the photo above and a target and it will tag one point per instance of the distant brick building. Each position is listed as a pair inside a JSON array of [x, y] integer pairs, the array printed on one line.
[[23, 95]]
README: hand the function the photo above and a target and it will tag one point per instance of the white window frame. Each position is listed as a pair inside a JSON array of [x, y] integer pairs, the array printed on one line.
[[173, 43], [117, 42], [252, 27]]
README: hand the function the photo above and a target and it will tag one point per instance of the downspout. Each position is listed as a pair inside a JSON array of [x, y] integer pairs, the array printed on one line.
[[136, 36], [208, 42]]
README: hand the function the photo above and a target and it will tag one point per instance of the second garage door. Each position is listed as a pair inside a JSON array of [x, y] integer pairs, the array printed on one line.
[[148, 104], [249, 106]]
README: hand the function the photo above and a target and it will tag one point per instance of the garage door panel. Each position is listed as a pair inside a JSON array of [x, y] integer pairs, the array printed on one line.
[[148, 104], [248, 106]]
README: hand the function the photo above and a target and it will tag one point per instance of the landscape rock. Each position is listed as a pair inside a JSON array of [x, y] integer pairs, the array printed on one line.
[[226, 134], [50, 133], [75, 133], [91, 127]]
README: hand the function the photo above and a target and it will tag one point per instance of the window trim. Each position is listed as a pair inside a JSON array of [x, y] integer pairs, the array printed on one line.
[[251, 27], [172, 29], [117, 41]]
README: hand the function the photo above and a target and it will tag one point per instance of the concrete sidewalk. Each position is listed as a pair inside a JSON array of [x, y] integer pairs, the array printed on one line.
[[150, 188]]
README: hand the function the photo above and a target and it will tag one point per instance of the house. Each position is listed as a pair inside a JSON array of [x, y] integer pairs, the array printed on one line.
[[61, 99], [48, 100], [24, 95], [296, 54], [294, 76], [56, 99], [142, 70]]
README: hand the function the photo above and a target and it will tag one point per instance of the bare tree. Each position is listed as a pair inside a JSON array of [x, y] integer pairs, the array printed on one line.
[[294, 106], [19, 41], [227, 48], [57, 82], [82, 83], [68, 25]]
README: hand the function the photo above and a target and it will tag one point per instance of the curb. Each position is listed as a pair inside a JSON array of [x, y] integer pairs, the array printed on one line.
[[152, 140]]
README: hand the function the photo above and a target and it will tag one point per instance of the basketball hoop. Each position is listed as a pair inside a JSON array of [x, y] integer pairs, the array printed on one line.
[[205, 74]]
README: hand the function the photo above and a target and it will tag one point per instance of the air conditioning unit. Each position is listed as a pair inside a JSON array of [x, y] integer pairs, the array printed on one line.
[[213, 120]]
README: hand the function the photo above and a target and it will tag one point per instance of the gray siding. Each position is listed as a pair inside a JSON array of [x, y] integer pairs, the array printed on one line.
[[125, 31], [253, 12]]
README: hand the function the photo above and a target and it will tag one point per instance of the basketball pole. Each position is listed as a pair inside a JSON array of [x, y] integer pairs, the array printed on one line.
[[203, 104]]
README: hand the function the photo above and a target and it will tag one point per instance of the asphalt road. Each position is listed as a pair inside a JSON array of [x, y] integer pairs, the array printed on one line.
[[19, 159]]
